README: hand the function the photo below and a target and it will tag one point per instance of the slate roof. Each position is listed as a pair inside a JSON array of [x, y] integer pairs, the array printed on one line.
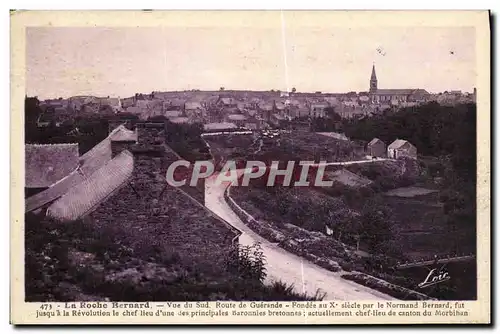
[[400, 91], [87, 195], [88, 163], [220, 126], [133, 110], [375, 141], [227, 100], [280, 105], [55, 191], [47, 164], [121, 133], [193, 106], [172, 113], [267, 106], [237, 117], [398, 143], [179, 120]]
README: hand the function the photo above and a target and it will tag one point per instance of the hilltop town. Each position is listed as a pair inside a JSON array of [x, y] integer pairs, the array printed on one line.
[[249, 109]]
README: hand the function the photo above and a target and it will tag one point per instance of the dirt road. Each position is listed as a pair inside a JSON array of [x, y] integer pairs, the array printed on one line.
[[287, 267]]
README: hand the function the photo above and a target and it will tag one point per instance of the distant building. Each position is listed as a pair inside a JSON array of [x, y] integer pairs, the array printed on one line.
[[318, 109], [128, 102], [226, 102], [401, 148], [195, 111], [237, 119], [400, 95], [222, 126], [376, 148], [179, 120]]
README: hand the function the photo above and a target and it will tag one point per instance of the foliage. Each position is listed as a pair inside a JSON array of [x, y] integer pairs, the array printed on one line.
[[332, 122], [79, 261], [248, 261], [444, 132], [186, 140]]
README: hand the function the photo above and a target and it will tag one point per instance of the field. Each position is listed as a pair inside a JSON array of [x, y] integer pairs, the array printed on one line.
[[413, 225], [307, 146], [409, 192], [422, 227], [347, 178]]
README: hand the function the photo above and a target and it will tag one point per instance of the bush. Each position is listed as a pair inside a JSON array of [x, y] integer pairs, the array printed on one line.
[[248, 262]]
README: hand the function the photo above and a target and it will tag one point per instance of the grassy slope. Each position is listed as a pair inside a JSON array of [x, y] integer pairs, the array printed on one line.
[[165, 259]]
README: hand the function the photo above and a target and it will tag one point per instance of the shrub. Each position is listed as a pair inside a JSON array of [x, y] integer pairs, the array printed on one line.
[[248, 262]]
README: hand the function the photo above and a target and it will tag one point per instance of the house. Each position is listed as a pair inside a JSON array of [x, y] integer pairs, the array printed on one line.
[[86, 165], [211, 101], [128, 102], [376, 148], [91, 107], [279, 120], [45, 119], [300, 111], [221, 126], [172, 113], [179, 120], [318, 109], [227, 102], [237, 119], [252, 124], [266, 109], [401, 148], [46, 164], [193, 108], [175, 104], [133, 110], [195, 112], [77, 103], [280, 107], [55, 103]]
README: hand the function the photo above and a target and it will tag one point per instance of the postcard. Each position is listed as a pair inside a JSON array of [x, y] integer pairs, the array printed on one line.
[[250, 167]]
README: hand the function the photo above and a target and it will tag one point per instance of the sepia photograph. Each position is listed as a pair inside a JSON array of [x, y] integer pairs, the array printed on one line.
[[255, 157]]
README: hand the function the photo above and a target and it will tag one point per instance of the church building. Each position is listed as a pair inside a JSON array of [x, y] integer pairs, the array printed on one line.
[[394, 96]]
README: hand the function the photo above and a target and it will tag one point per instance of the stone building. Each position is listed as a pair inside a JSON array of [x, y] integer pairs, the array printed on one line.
[[376, 148], [401, 148], [394, 96]]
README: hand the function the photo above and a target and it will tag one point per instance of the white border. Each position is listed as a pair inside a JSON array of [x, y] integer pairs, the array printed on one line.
[[185, 4]]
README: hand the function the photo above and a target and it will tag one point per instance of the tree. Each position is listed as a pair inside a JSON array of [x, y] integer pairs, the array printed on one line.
[[377, 225], [222, 88], [294, 90]]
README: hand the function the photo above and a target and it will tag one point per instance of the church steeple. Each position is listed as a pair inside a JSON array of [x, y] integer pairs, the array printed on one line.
[[373, 81]]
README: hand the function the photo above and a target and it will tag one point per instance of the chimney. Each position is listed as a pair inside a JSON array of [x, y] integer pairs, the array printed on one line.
[[123, 140]]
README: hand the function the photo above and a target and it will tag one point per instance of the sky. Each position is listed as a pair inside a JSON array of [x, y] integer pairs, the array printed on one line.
[[122, 61]]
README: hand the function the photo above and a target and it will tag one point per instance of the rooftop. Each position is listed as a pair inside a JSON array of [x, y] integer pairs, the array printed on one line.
[[220, 126], [398, 143], [47, 164]]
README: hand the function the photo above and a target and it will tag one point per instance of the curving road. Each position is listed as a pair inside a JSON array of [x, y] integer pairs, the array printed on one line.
[[282, 265]]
